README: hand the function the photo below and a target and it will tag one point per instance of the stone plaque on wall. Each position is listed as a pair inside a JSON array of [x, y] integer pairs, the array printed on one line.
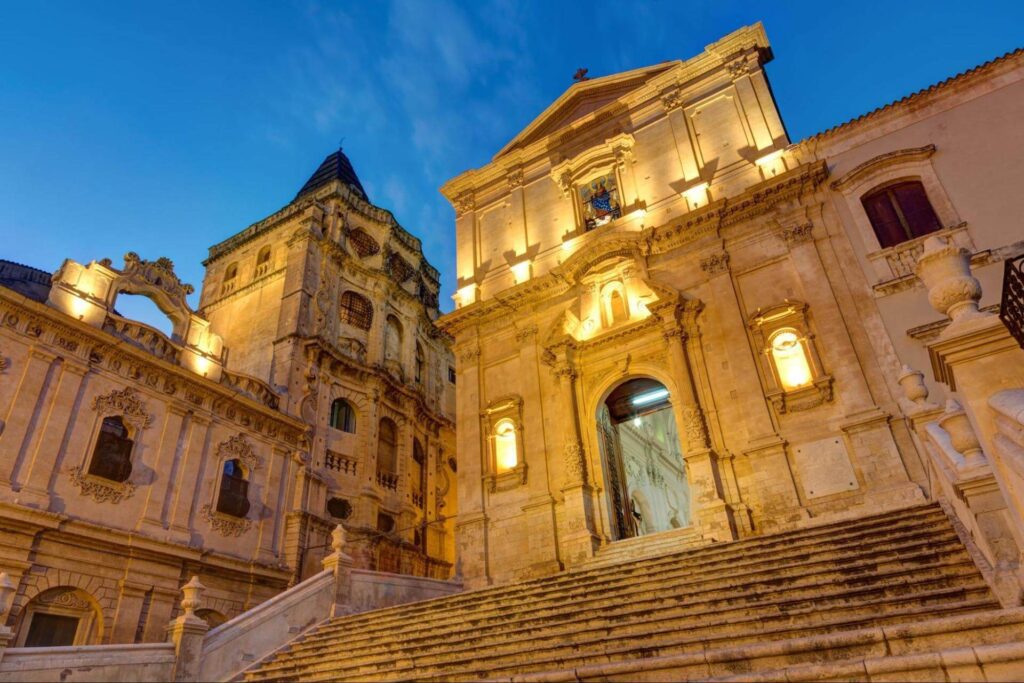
[[824, 468]]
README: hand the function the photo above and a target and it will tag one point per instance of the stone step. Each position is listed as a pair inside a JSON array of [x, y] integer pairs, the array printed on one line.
[[648, 599], [837, 559], [558, 656], [647, 632], [994, 635], [917, 518], [861, 575]]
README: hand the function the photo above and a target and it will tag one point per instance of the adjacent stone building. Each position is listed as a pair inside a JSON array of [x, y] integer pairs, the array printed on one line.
[[653, 281], [312, 388]]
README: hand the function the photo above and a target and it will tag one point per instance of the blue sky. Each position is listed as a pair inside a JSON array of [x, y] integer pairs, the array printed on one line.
[[164, 128]]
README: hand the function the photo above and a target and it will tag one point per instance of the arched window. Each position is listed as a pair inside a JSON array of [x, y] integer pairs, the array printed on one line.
[[233, 498], [387, 447], [393, 340], [262, 262], [418, 479], [343, 416], [900, 212], [617, 305], [230, 275], [790, 358], [613, 304], [506, 452], [112, 456], [356, 310], [362, 243], [420, 363]]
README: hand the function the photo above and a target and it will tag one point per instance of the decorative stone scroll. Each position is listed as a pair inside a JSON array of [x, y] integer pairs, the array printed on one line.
[[160, 274], [464, 203], [225, 525], [797, 234], [575, 463], [126, 403], [99, 489], [715, 264], [237, 447]]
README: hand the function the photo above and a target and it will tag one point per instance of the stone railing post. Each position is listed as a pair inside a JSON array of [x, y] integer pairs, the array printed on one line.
[[341, 564], [6, 600], [187, 633], [962, 436]]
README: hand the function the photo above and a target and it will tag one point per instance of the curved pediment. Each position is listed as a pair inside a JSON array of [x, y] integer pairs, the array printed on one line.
[[598, 254]]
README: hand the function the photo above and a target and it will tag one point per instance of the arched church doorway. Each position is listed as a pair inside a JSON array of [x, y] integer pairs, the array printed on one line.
[[644, 470]]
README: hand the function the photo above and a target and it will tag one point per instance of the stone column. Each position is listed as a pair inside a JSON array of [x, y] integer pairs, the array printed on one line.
[[34, 381], [152, 520], [579, 537], [7, 589], [713, 516], [540, 509], [129, 608], [187, 633], [60, 413], [471, 526], [188, 483]]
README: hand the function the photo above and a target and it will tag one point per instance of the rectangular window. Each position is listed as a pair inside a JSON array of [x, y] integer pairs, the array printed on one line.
[[51, 630], [451, 374]]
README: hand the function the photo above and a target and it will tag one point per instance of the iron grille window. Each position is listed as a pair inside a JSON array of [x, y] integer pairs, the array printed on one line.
[[343, 417], [233, 498], [362, 243], [900, 212], [356, 310], [112, 456], [400, 270]]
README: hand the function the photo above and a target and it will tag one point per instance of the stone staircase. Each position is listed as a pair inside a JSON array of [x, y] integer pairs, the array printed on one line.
[[895, 584], [643, 547]]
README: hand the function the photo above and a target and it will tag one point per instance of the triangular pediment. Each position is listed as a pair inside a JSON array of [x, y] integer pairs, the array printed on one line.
[[582, 99]]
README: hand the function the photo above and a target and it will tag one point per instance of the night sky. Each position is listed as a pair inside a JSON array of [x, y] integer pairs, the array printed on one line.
[[165, 128]]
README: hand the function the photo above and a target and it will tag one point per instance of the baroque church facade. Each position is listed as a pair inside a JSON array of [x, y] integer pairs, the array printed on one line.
[[753, 392], [671, 318], [311, 388]]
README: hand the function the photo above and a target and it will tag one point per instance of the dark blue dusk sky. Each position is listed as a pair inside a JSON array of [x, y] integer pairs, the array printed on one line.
[[164, 128]]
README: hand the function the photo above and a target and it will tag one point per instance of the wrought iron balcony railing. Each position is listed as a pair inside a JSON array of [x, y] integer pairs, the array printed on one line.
[[1011, 308]]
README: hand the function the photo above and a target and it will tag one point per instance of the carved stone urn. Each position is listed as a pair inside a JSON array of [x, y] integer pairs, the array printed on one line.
[[912, 382], [961, 434], [945, 269]]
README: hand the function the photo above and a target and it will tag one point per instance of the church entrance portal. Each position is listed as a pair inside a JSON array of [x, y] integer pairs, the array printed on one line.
[[644, 471]]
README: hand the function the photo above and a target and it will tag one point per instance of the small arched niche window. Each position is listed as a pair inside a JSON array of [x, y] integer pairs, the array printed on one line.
[[387, 446], [262, 262], [112, 455], [230, 276], [233, 497], [900, 212], [420, 362], [356, 310], [393, 339], [506, 449], [790, 358], [343, 416], [613, 304]]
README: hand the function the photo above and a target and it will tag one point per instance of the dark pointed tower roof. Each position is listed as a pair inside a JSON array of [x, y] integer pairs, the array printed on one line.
[[335, 167]]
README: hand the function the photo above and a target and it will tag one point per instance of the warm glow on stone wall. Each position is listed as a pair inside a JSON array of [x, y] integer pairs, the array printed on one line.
[[790, 360], [696, 196], [521, 272], [505, 449]]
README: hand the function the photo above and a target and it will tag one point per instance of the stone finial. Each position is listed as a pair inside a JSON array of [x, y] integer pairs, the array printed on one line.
[[338, 539], [961, 434], [945, 269], [6, 599], [913, 385], [192, 593]]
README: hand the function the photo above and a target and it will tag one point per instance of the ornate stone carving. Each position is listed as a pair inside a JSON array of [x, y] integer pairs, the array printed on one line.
[[945, 269], [515, 179], [160, 274], [740, 67], [464, 203], [99, 489], [694, 427], [470, 355], [575, 463], [715, 264], [526, 333], [564, 182], [671, 99], [127, 404], [69, 598], [797, 234], [237, 447], [225, 525]]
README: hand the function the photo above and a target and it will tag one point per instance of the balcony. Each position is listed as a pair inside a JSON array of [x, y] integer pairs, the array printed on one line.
[[339, 463], [1011, 308], [387, 480]]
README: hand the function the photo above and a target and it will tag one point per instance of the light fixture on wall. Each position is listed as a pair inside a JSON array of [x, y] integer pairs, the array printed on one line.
[[790, 360], [521, 271], [696, 196], [649, 397]]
